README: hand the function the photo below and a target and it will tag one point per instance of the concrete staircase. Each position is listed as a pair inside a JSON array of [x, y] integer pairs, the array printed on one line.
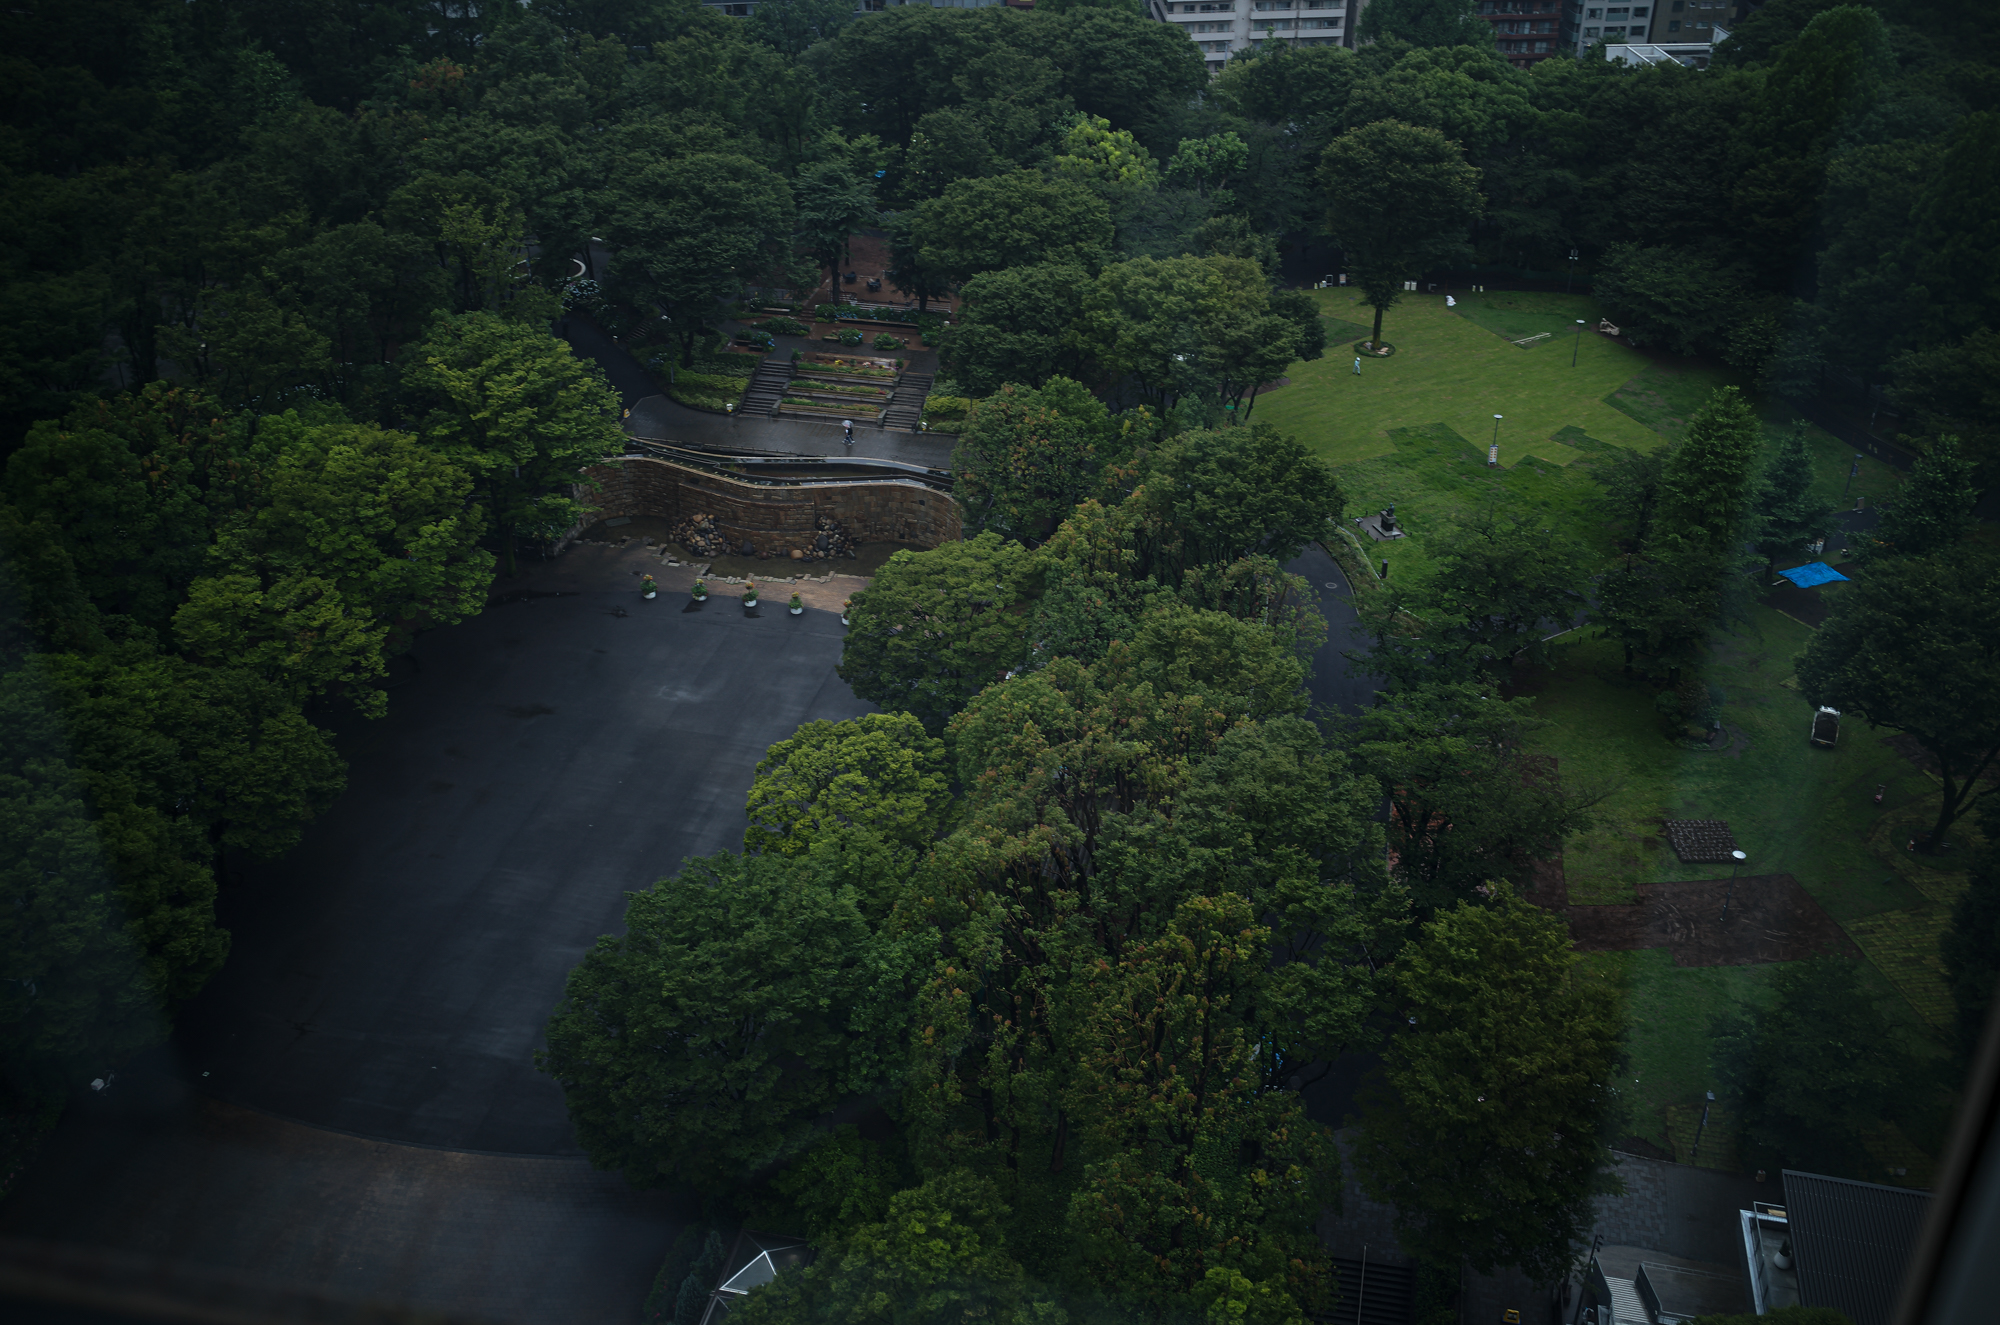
[[906, 407], [767, 387]]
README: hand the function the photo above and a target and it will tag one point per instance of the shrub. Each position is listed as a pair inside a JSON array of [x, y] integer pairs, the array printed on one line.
[[784, 326], [706, 390], [946, 411], [887, 342], [850, 338]]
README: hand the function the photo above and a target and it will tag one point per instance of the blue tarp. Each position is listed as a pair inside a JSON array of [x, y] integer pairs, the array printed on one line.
[[1813, 572]]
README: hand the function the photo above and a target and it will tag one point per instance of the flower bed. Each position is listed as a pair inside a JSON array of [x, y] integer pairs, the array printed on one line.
[[819, 363], [847, 409], [785, 326], [807, 382], [896, 317]]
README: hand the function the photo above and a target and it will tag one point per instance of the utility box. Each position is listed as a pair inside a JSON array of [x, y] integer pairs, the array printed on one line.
[[1826, 726]]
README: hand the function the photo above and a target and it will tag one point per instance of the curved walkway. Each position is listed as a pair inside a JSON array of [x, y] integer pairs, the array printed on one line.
[[655, 416]]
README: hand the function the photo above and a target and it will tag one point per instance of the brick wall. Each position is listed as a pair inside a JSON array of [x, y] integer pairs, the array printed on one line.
[[774, 520]]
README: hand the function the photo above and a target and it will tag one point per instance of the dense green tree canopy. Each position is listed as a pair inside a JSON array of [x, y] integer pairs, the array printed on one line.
[[744, 999], [935, 628], [1913, 646], [1400, 198], [1490, 1134]]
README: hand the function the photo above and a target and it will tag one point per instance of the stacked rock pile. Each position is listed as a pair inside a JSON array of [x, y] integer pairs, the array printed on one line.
[[829, 542], [700, 537]]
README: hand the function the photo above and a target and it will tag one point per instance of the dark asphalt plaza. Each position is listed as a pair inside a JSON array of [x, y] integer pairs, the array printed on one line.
[[391, 976], [351, 1109]]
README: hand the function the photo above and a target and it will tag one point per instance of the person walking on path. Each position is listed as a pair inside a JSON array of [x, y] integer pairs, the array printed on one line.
[[1357, 365], [847, 431]]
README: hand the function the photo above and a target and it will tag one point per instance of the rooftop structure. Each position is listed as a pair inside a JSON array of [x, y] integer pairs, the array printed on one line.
[[1834, 1243]]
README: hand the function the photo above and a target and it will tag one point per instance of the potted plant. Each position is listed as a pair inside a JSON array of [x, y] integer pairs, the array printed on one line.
[[796, 606], [750, 594], [646, 586], [845, 603], [700, 591]]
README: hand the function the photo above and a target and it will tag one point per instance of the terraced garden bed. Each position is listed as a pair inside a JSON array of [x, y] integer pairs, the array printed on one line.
[[849, 409]]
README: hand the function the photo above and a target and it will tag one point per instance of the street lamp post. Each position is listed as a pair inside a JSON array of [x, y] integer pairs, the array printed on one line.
[[1493, 452], [1579, 343], [1570, 280], [1852, 470], [1736, 859]]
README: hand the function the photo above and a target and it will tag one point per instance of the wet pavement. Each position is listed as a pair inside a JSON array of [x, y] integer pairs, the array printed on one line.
[[196, 1198], [391, 976]]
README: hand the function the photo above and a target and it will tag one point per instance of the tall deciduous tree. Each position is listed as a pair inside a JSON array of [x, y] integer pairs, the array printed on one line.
[[1211, 497], [1788, 517], [511, 406], [1706, 483], [1028, 456], [384, 517], [1818, 1070], [880, 772], [1400, 199], [744, 999], [1490, 1136], [1914, 645], [1466, 804], [1933, 511], [935, 628], [1011, 221], [833, 199], [1009, 330], [692, 230]]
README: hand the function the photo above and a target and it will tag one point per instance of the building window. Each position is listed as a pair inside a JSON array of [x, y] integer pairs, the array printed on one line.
[[1273, 4], [737, 11], [1639, 13], [1319, 23], [1673, 25], [1677, 6], [1594, 13], [1541, 48], [1590, 32]]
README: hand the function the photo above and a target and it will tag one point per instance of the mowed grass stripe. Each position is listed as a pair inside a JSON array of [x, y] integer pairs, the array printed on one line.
[[1449, 370]]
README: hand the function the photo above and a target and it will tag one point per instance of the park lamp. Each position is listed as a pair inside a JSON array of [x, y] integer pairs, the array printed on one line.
[[1579, 343], [1736, 859], [1493, 451]]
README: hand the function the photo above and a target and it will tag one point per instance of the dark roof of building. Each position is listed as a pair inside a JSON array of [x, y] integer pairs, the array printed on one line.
[[1850, 1242]]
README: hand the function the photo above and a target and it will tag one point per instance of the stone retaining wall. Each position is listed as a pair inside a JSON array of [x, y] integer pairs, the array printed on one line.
[[773, 520]]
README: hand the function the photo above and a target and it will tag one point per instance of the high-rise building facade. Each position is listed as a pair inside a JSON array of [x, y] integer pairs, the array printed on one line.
[[1220, 28]]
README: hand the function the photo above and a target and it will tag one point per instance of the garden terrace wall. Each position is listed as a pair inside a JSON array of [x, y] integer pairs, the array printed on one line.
[[774, 520]]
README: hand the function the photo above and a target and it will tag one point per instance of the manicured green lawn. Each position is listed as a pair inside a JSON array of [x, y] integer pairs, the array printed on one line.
[[1448, 369], [1412, 430], [1794, 807], [1670, 1009]]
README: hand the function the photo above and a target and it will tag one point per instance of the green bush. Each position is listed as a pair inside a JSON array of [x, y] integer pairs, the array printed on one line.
[[887, 342], [850, 338], [706, 390], [784, 326], [946, 411]]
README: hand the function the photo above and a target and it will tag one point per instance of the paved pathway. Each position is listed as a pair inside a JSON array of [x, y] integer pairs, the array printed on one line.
[[656, 416], [391, 976], [351, 1108], [231, 1201], [1334, 683]]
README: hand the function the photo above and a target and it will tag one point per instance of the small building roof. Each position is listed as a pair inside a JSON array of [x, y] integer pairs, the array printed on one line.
[[1851, 1241], [1813, 572]]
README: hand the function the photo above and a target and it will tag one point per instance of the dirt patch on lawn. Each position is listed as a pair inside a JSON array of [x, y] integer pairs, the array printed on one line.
[[1771, 919]]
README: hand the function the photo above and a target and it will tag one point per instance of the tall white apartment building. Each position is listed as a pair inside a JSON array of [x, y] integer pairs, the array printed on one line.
[[1222, 27]]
